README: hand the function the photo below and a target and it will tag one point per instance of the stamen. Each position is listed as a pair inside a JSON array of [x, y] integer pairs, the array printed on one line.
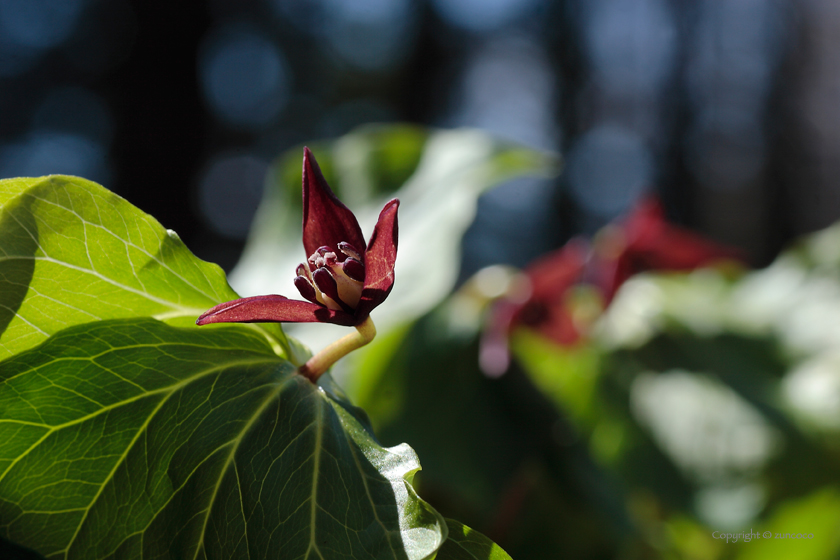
[[325, 282], [322, 257], [336, 285], [349, 250], [354, 269], [306, 289]]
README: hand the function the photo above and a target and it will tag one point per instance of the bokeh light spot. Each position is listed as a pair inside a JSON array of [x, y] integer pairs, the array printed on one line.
[[46, 152], [370, 34], [244, 77], [482, 15], [39, 24], [75, 110], [508, 88], [631, 44], [609, 169], [230, 191]]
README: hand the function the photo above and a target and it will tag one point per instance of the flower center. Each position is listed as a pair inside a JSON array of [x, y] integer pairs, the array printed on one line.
[[332, 278]]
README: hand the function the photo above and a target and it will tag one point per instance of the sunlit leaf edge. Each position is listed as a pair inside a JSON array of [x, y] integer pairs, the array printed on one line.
[[465, 543]]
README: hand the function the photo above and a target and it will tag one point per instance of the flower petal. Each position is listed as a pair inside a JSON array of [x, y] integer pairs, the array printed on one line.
[[326, 220], [380, 258], [273, 309], [651, 243]]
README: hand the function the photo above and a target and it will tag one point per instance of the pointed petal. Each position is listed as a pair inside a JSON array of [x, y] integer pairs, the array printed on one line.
[[273, 309], [652, 243], [659, 244], [380, 258], [326, 221]]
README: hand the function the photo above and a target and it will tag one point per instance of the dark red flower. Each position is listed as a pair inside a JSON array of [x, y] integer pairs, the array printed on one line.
[[540, 303], [642, 241], [343, 278]]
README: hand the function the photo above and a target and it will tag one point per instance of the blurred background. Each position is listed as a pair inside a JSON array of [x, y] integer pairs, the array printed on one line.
[[671, 406], [727, 109]]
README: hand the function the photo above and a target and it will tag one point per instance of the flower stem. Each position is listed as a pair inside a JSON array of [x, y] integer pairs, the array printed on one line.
[[323, 360]]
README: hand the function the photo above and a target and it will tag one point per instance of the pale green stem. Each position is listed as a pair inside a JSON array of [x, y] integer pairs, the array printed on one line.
[[323, 360]]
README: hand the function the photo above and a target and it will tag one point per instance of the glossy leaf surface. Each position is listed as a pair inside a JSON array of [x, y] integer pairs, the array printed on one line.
[[134, 439]]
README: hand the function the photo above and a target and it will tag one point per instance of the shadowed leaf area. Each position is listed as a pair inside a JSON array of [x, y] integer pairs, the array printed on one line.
[[134, 439]]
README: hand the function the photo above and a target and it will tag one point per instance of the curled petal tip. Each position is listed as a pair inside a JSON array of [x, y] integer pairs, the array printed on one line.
[[390, 207]]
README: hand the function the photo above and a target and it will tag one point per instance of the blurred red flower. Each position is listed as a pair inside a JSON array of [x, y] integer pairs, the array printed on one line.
[[641, 241]]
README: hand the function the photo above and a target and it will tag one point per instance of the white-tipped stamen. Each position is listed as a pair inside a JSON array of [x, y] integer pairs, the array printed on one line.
[[349, 290]]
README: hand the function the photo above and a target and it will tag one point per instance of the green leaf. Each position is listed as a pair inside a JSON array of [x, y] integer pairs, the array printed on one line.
[[467, 544], [568, 375], [122, 436], [131, 438], [442, 174], [72, 252]]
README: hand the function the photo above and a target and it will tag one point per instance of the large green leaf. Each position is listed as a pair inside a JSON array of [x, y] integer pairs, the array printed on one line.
[[124, 435], [134, 439], [72, 252]]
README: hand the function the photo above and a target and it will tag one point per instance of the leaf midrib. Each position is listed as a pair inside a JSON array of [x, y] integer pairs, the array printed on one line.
[[172, 390], [231, 457], [174, 306]]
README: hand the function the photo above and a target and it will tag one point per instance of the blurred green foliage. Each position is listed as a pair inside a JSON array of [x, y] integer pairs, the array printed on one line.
[[679, 417], [697, 404]]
